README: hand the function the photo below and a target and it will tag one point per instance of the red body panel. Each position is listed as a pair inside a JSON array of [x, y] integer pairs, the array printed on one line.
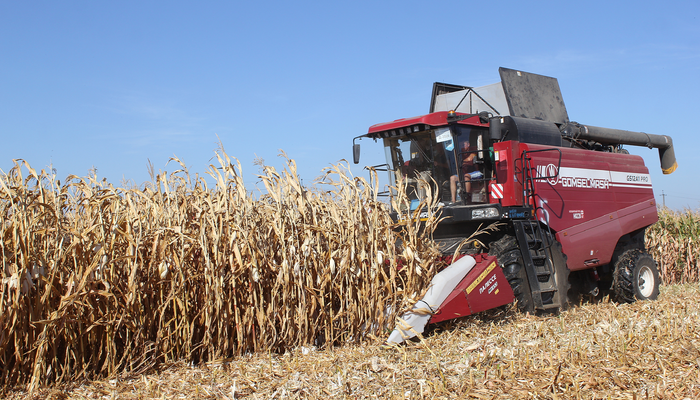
[[434, 119], [506, 153], [595, 199], [485, 287]]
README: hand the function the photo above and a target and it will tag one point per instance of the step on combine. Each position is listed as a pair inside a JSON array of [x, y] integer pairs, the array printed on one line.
[[572, 203]]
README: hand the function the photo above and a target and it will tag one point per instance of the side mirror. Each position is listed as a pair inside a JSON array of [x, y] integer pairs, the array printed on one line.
[[356, 153]]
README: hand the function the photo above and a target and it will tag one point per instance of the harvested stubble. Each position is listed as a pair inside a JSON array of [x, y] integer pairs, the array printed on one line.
[[99, 281], [674, 244], [604, 350]]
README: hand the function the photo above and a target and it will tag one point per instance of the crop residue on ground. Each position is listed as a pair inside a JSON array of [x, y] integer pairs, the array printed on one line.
[[602, 350]]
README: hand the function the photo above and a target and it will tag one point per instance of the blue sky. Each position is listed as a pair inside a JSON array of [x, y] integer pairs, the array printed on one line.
[[112, 85]]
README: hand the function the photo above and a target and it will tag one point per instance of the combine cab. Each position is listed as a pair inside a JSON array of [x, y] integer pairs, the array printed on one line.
[[573, 203]]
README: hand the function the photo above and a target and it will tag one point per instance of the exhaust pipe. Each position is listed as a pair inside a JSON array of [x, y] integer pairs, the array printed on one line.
[[609, 136]]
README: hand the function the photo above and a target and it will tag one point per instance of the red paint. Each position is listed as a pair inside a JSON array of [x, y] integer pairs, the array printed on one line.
[[434, 119], [506, 174], [483, 288], [593, 202]]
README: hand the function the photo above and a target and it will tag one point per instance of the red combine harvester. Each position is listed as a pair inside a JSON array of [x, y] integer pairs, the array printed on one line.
[[573, 203]]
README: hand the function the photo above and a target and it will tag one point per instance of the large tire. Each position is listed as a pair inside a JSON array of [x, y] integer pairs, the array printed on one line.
[[510, 260], [561, 273], [636, 277]]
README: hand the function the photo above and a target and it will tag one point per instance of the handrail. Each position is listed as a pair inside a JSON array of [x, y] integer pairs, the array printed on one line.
[[529, 183]]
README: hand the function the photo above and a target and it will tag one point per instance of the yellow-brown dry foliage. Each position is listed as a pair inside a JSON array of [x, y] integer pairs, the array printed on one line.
[[598, 350], [102, 281], [99, 280], [674, 244]]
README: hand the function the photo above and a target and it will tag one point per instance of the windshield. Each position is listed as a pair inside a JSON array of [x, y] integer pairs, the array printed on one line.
[[435, 157], [421, 158]]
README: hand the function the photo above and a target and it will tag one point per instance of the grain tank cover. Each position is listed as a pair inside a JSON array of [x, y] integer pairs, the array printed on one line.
[[533, 96]]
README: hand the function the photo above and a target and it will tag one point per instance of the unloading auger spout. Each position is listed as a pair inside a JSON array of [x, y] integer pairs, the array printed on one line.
[[609, 136]]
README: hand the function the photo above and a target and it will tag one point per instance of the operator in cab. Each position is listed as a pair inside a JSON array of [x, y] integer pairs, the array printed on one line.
[[468, 168]]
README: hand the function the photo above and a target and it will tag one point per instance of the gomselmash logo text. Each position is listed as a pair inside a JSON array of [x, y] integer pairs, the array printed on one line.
[[591, 178], [574, 177]]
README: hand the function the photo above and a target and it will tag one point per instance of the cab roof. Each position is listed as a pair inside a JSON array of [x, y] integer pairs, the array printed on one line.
[[405, 126]]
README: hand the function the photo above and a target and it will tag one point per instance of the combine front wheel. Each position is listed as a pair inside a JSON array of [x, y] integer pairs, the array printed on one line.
[[636, 277], [561, 273], [508, 253]]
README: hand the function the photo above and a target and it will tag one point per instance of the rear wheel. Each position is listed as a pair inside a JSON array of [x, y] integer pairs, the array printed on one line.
[[636, 277]]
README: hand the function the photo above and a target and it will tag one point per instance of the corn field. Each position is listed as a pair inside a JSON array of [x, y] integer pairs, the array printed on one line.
[[98, 280], [673, 242]]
